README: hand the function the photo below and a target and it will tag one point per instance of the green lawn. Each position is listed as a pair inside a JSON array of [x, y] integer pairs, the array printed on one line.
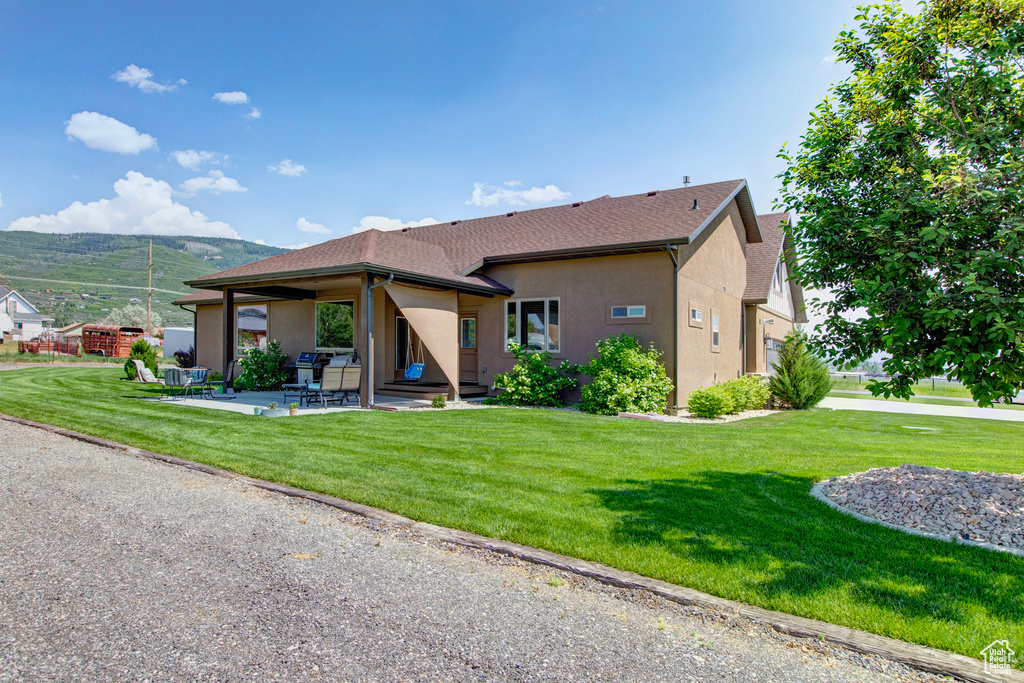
[[720, 508], [926, 388]]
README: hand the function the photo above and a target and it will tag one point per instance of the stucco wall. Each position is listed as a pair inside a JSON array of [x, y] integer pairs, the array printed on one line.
[[757, 329], [209, 352]]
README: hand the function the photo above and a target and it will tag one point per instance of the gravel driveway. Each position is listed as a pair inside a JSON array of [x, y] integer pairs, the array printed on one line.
[[118, 568]]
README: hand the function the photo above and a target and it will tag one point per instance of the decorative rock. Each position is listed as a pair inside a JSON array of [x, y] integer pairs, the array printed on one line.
[[985, 507]]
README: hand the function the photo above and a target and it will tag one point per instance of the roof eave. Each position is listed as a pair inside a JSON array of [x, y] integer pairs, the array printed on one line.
[[746, 206], [644, 247]]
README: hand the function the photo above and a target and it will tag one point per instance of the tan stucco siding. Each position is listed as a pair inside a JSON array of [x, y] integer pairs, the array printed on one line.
[[712, 277], [758, 328], [209, 351], [293, 324], [586, 289]]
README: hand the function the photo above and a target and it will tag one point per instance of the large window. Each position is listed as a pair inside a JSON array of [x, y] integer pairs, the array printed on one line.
[[334, 326], [533, 323], [251, 328]]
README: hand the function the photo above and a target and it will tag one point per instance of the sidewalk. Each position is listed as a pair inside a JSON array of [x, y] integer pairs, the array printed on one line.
[[907, 408]]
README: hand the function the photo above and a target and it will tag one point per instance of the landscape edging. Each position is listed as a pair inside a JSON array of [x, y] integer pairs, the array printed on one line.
[[918, 656]]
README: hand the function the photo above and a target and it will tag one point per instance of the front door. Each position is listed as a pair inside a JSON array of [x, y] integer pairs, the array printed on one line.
[[468, 348]]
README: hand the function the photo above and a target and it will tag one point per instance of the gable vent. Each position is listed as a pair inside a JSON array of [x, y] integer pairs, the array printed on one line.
[[652, 193], [575, 204], [456, 222], [510, 214]]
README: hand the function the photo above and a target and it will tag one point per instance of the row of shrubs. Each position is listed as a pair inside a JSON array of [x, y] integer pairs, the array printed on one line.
[[626, 377]]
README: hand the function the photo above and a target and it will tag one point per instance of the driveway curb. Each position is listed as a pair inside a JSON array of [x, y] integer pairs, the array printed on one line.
[[917, 656]]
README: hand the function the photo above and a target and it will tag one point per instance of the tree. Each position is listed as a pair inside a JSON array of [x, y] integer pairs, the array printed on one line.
[[910, 188], [133, 315], [800, 379]]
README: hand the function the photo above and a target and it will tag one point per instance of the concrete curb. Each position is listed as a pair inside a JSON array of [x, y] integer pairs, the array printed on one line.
[[917, 656], [816, 493]]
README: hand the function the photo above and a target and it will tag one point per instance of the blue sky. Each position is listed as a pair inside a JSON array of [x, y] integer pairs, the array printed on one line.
[[257, 119]]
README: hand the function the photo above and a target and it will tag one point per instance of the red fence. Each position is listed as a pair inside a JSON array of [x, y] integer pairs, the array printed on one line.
[[52, 344]]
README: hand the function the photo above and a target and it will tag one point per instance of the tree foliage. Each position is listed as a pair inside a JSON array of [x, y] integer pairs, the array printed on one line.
[[626, 377], [910, 187], [801, 379], [141, 350], [263, 370], [133, 315]]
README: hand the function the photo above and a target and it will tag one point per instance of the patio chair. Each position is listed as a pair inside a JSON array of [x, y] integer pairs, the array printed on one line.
[[146, 376], [176, 377], [329, 383], [227, 382], [350, 382]]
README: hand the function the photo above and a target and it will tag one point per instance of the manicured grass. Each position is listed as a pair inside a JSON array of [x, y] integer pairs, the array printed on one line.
[[9, 354], [926, 388], [720, 508], [931, 400]]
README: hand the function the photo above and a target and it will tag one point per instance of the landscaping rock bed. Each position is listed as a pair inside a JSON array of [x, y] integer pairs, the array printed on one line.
[[975, 507]]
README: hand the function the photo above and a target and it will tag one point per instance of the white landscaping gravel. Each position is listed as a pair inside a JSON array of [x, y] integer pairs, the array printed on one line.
[[119, 568], [978, 508]]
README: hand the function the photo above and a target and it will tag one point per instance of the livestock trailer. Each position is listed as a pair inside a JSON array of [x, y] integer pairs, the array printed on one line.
[[110, 340]]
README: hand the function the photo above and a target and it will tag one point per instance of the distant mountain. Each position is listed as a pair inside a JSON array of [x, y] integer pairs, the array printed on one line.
[[89, 273]]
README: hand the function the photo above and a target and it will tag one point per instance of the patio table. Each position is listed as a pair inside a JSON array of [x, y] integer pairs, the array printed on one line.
[[295, 390]]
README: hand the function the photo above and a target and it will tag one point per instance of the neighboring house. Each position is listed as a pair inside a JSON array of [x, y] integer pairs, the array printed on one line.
[[693, 270], [72, 330], [21, 320]]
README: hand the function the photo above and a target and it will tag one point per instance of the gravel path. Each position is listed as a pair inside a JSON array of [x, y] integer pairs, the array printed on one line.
[[976, 506], [119, 568]]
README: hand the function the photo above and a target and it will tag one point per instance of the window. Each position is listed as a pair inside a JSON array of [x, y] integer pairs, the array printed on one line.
[[533, 323], [629, 311], [251, 328], [334, 326], [697, 316], [468, 333], [780, 275], [714, 330]]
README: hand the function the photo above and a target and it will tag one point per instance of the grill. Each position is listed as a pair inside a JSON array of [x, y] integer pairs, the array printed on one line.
[[309, 366]]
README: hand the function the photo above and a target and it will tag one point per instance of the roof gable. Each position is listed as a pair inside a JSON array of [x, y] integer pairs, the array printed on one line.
[[762, 259]]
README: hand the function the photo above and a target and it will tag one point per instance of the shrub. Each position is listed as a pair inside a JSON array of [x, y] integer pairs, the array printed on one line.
[[186, 358], [141, 350], [438, 401], [626, 378], [801, 380], [747, 392], [533, 381], [263, 370], [710, 402]]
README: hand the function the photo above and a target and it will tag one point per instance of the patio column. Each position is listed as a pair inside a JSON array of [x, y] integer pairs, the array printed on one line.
[[228, 346], [366, 314]]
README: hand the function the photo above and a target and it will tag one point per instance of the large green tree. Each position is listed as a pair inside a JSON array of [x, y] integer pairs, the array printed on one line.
[[909, 184]]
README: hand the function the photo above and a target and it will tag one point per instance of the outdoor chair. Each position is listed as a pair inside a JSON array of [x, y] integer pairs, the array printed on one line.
[[226, 383], [146, 376], [329, 383], [176, 377], [350, 382]]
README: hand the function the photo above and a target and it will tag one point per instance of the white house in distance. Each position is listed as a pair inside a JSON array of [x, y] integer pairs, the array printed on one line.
[[20, 320]]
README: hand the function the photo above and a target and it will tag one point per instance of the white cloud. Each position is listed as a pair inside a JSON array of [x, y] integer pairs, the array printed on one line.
[[214, 181], [385, 223], [1, 200], [254, 114], [103, 132], [830, 59], [309, 226], [143, 206], [233, 97], [138, 77], [192, 159], [286, 167], [489, 195]]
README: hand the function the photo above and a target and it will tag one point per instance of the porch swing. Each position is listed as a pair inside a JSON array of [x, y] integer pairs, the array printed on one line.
[[415, 369]]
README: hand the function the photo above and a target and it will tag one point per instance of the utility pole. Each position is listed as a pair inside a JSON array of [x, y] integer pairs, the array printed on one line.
[[149, 298]]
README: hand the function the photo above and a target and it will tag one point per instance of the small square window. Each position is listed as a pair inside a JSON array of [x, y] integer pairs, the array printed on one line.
[[620, 312], [637, 311], [696, 315], [629, 311]]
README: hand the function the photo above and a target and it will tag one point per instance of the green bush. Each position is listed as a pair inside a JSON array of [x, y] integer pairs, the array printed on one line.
[[801, 379], [533, 381], [626, 378], [141, 350], [710, 402], [438, 401], [747, 393], [263, 370]]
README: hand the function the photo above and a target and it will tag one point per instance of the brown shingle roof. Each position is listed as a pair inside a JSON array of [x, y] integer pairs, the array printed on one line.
[[449, 252], [764, 256]]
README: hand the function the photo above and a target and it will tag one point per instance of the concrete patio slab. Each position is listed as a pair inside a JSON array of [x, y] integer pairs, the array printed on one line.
[[245, 402]]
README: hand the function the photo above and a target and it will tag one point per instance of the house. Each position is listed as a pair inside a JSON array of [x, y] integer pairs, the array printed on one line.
[[20, 320], [694, 270], [72, 330]]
